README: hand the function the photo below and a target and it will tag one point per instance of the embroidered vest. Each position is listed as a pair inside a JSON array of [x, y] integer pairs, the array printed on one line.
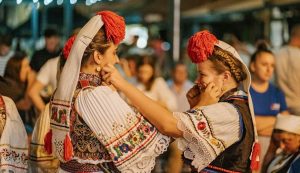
[[236, 157], [2, 115], [86, 146]]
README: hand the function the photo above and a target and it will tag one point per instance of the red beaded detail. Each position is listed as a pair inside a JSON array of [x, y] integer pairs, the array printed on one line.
[[201, 125]]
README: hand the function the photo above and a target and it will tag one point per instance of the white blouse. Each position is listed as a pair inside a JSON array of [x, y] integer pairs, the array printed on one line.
[[207, 132], [131, 140]]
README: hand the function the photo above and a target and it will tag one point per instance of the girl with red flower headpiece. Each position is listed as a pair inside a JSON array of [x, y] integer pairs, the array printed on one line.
[[218, 133], [92, 128]]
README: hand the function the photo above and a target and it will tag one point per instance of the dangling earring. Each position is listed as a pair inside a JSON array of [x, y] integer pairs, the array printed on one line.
[[98, 69]]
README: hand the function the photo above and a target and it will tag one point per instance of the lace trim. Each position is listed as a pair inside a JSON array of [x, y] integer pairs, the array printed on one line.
[[146, 164], [193, 148]]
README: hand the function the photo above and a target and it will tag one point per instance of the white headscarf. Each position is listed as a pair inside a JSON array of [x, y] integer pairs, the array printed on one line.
[[288, 123], [61, 104]]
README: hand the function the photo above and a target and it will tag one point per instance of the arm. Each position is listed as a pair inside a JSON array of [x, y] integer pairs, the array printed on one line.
[[34, 94], [265, 125], [160, 117], [153, 111]]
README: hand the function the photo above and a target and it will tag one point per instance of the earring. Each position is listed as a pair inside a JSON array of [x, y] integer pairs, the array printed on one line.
[[98, 69]]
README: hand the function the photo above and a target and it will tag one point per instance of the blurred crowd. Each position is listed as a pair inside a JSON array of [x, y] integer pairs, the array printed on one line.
[[30, 82]]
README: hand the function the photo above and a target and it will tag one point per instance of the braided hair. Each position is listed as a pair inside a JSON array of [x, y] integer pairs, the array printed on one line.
[[224, 60]]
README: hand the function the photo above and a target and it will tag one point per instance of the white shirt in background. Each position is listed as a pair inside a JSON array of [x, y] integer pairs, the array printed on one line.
[[182, 102], [160, 92], [3, 62]]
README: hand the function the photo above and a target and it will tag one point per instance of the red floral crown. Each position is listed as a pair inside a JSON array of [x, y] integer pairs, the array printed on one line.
[[114, 26], [201, 46]]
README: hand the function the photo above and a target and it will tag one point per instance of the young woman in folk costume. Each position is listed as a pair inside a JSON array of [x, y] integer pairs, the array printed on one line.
[[92, 128], [13, 138], [218, 133]]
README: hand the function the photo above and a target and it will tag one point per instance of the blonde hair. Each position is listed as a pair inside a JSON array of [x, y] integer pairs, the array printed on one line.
[[99, 43], [225, 61]]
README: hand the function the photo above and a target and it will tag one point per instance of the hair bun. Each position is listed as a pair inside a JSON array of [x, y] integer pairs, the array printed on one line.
[[262, 45]]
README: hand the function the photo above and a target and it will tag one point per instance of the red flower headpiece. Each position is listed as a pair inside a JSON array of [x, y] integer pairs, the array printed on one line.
[[68, 46], [114, 26], [201, 46]]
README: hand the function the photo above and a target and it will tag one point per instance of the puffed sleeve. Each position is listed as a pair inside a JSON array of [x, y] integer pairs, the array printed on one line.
[[207, 132], [132, 141]]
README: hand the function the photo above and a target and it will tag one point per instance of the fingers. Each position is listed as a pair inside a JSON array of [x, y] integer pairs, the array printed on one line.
[[193, 92]]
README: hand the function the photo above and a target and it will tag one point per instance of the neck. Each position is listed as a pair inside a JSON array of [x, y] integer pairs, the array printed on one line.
[[259, 85], [89, 70], [178, 86], [229, 87]]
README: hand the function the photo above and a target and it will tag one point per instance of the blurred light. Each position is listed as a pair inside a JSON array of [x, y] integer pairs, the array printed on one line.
[[0, 1], [93, 1], [19, 1], [73, 1], [88, 2], [47, 2], [141, 43], [165, 46], [38, 5], [59, 2], [35, 1]]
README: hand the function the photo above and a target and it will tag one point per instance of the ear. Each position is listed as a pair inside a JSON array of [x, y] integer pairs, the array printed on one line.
[[98, 58], [252, 68], [226, 75]]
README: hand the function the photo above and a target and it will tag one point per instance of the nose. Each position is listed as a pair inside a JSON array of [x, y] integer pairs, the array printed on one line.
[[282, 145], [117, 59]]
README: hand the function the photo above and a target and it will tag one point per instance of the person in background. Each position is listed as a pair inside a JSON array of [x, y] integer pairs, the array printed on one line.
[[288, 71], [46, 77], [6, 51], [13, 138], [268, 100], [287, 128], [18, 78], [179, 85], [154, 87], [51, 50]]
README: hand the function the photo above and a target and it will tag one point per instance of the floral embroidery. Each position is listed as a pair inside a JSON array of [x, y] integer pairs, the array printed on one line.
[[203, 127], [2, 115], [133, 140], [17, 157], [59, 116]]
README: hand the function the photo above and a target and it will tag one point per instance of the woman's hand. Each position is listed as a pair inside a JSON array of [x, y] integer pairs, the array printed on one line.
[[193, 96], [111, 75], [209, 95]]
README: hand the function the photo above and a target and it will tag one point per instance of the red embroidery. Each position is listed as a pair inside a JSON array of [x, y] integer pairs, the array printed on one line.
[[201, 125]]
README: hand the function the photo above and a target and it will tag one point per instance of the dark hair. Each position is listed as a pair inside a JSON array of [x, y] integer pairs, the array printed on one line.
[[262, 47], [13, 67], [147, 60], [50, 32], [6, 40], [99, 43], [224, 60]]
